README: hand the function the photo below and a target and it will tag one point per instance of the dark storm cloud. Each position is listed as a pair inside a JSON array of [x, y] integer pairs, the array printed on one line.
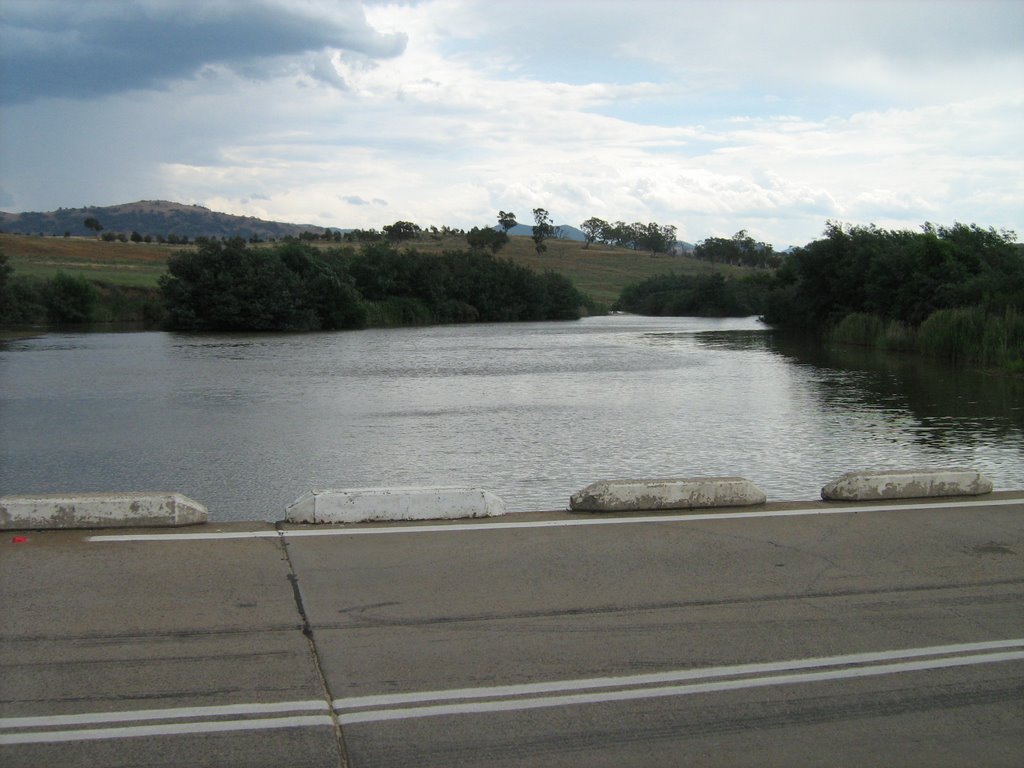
[[70, 48]]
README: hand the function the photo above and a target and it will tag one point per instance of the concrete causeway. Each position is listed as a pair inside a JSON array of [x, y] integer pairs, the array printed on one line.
[[805, 633]]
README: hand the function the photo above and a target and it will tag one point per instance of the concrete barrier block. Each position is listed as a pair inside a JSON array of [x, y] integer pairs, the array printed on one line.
[[671, 493], [99, 510], [906, 484], [363, 505]]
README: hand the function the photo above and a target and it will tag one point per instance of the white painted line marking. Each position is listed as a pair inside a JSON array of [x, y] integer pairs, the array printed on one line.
[[167, 729], [511, 705], [564, 523], [360, 702], [368, 709], [173, 713]]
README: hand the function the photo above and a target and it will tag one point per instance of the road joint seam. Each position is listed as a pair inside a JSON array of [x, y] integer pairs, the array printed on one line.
[[307, 632]]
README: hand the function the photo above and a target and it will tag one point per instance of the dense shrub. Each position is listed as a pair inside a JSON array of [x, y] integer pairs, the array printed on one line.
[[69, 299], [230, 287], [460, 286], [896, 275], [950, 292], [710, 295]]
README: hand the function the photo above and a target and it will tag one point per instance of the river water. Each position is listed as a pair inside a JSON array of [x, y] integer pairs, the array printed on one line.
[[532, 412]]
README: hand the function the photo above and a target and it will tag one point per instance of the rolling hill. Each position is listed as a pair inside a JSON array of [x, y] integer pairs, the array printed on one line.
[[150, 217]]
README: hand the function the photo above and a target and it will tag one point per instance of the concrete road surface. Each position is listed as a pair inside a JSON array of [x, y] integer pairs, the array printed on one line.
[[794, 634]]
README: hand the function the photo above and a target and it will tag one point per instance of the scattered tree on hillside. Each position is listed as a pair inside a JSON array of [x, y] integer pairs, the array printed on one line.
[[506, 220], [401, 231], [92, 223], [740, 250], [654, 237], [593, 230], [542, 229]]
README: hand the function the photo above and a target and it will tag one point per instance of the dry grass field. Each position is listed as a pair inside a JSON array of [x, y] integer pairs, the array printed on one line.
[[135, 264], [600, 271]]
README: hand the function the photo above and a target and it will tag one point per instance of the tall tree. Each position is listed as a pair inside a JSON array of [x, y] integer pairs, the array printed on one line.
[[542, 229], [593, 230], [92, 223], [506, 220], [400, 231]]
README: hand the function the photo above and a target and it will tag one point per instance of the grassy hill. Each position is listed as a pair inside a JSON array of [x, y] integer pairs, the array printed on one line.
[[600, 271], [149, 217]]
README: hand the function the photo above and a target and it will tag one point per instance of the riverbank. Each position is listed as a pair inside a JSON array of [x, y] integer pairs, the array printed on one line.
[[963, 337]]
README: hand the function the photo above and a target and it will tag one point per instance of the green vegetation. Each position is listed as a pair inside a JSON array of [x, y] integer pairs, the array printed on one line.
[[955, 293], [542, 229], [296, 286], [637, 236], [951, 292], [231, 287], [64, 299], [459, 286], [707, 295]]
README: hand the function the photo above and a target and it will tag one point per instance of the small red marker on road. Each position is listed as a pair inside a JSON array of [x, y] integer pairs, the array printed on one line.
[[19, 539]]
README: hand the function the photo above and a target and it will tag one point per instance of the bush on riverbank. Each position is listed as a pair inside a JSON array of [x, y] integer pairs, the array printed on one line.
[[709, 295], [410, 288], [230, 286], [227, 286], [966, 335], [949, 292], [67, 299]]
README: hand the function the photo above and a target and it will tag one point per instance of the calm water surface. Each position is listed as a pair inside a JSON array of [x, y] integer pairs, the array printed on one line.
[[532, 412]]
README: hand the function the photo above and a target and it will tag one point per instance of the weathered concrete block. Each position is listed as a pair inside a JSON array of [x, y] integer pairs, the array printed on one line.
[[363, 505], [906, 484], [99, 510], [671, 493]]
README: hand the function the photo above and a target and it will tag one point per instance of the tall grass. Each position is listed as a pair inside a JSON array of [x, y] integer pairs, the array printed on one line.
[[973, 335], [872, 331], [968, 335]]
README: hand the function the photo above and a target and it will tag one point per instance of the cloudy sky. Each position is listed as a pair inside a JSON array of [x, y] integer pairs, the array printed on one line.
[[767, 115]]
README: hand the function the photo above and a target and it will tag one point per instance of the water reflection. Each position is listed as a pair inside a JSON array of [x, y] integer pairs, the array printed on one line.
[[947, 404], [533, 412]]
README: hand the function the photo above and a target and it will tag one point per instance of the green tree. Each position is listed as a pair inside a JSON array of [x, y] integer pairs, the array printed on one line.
[[542, 229], [486, 239], [654, 237], [506, 220], [593, 230], [93, 224], [228, 286], [401, 231]]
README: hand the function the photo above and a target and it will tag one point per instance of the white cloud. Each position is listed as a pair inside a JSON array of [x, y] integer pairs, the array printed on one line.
[[713, 118]]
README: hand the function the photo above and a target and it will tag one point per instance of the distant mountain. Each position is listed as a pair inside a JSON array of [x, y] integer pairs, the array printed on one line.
[[562, 231], [150, 217]]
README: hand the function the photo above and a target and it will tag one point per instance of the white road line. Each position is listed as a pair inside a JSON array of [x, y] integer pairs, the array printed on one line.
[[165, 729], [511, 705], [562, 523], [172, 713], [369, 709], [361, 702]]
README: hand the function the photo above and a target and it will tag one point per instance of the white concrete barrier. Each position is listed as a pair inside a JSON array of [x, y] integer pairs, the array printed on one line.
[[98, 510], [906, 484], [363, 505], [670, 493]]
